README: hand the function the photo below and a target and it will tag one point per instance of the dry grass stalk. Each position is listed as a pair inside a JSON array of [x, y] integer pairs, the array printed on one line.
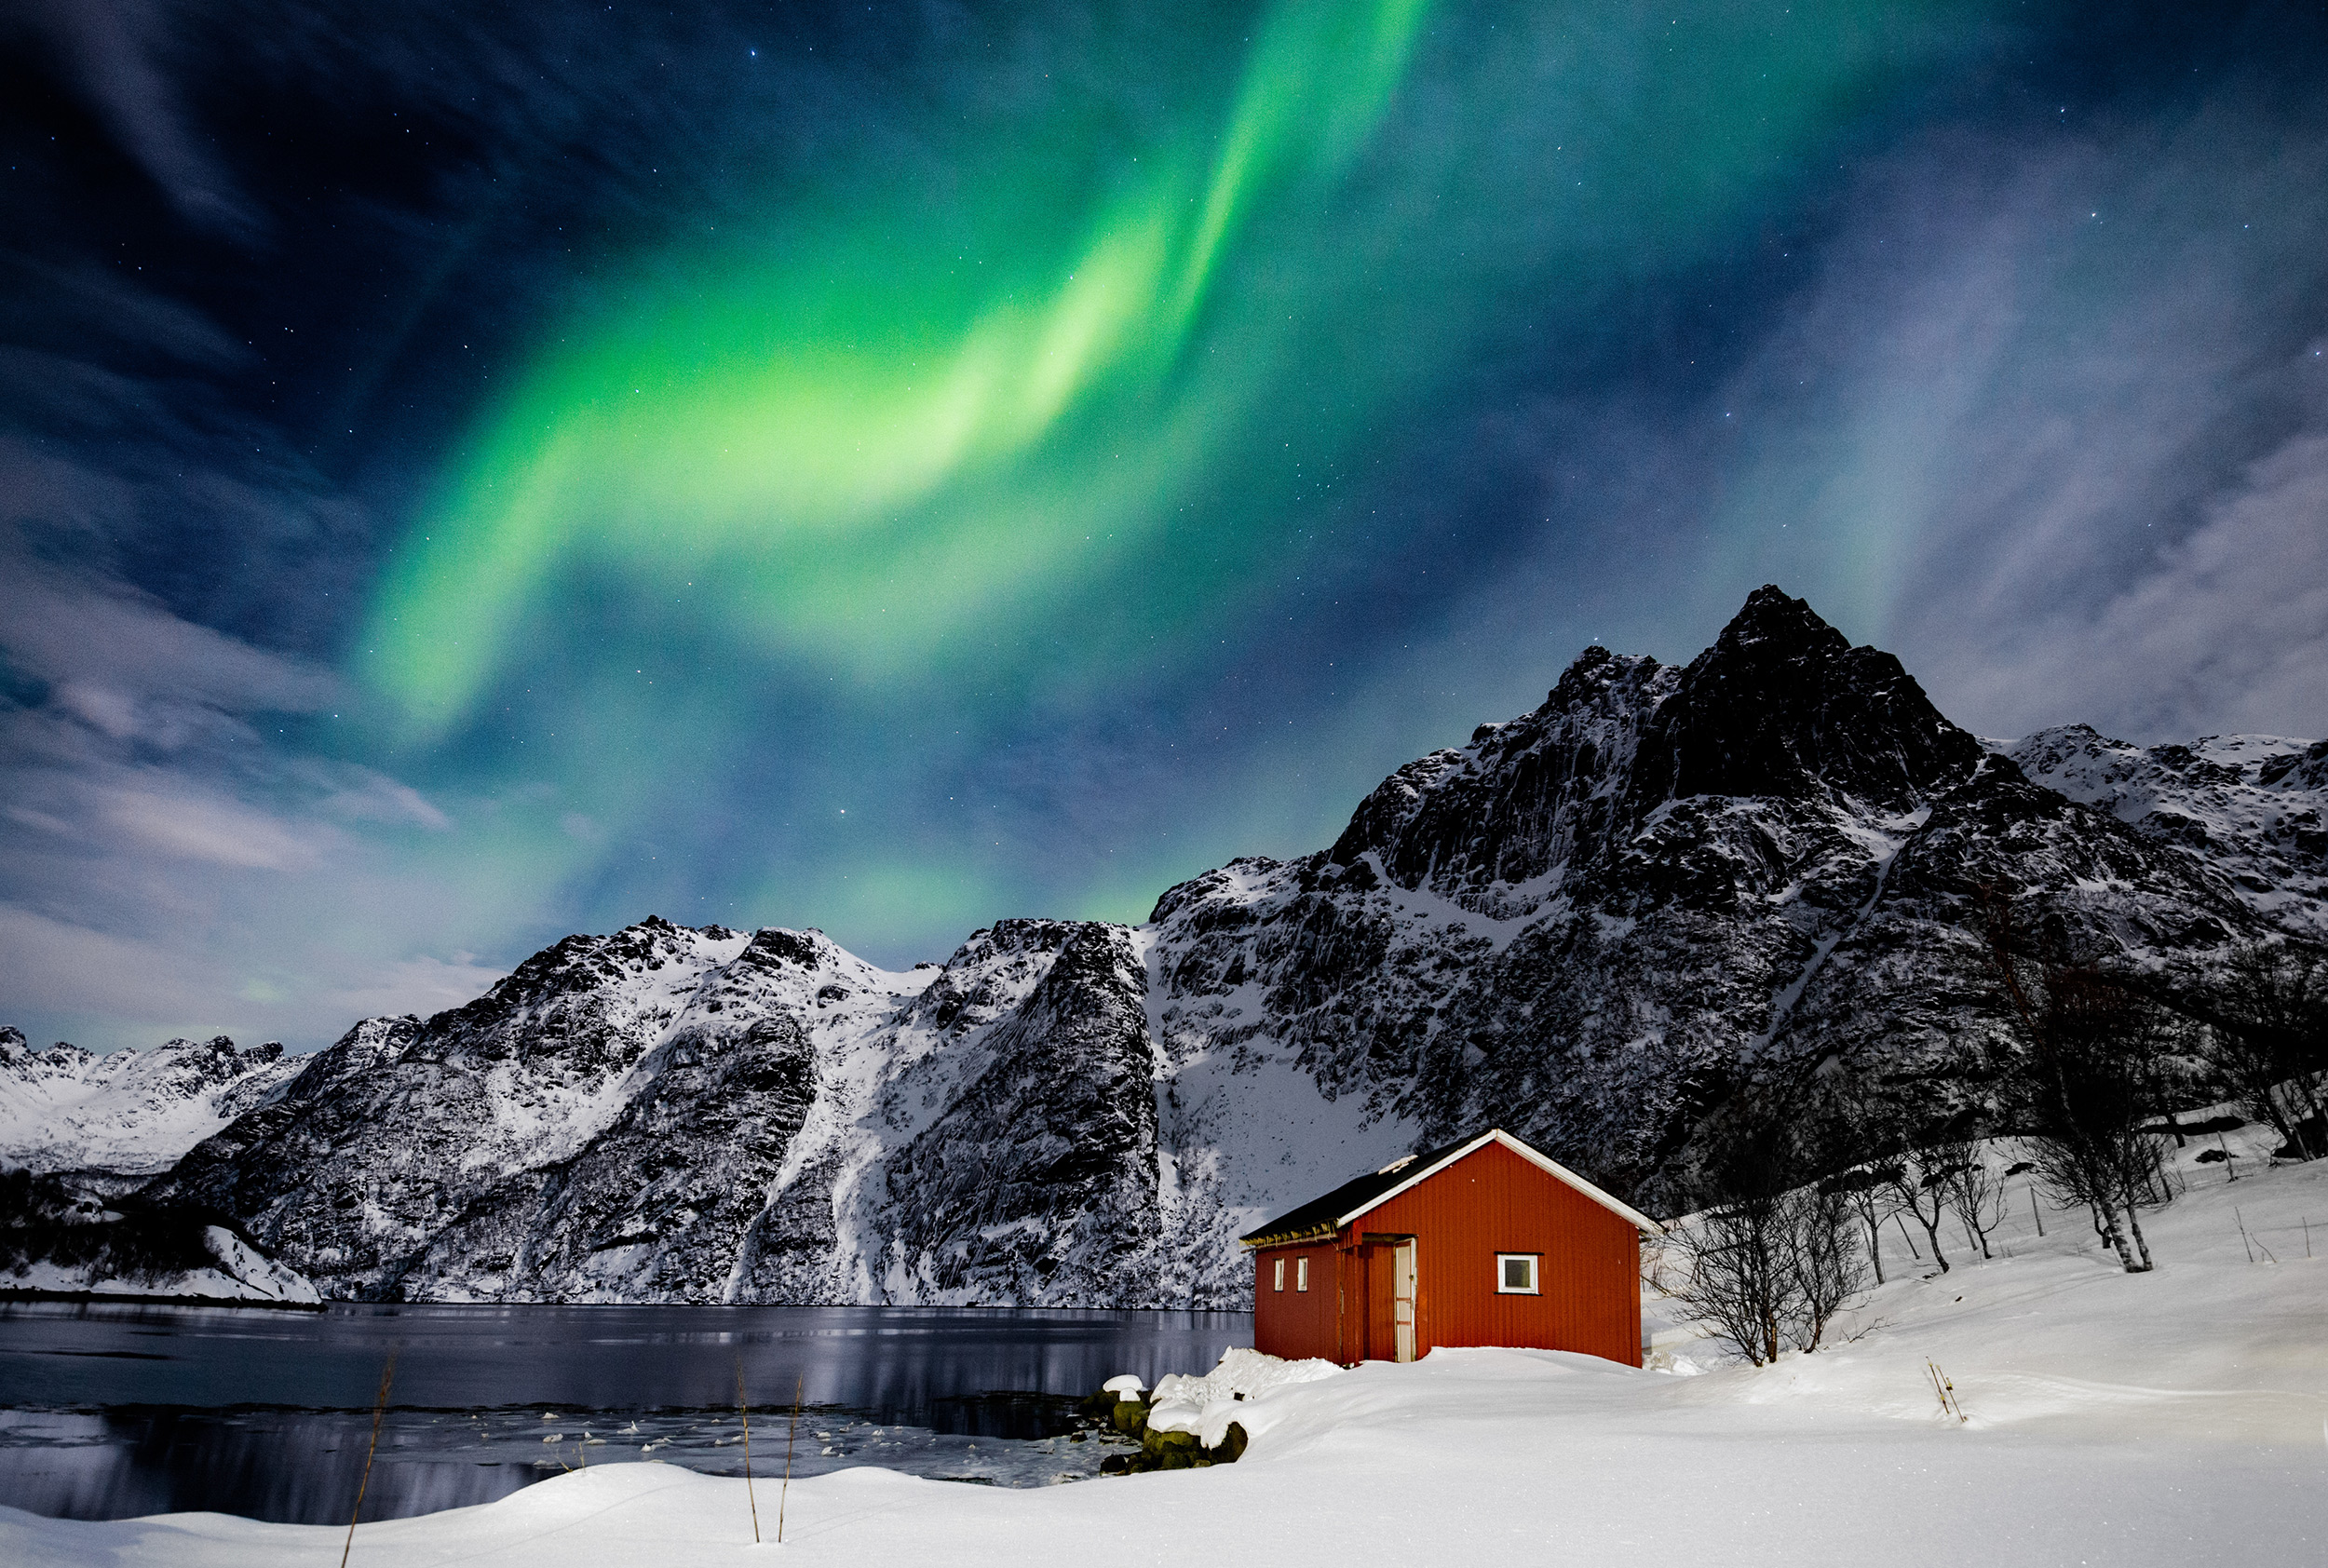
[[746, 1411], [379, 1409], [784, 1492]]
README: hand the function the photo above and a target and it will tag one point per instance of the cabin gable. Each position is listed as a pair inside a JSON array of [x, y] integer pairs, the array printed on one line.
[[1501, 1245]]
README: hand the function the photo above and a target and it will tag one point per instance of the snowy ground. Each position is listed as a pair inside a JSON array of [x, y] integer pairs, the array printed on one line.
[[2167, 1418]]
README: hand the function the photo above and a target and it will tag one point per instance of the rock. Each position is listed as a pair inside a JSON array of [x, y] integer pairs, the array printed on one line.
[[1589, 924], [1231, 1447], [1155, 1443]]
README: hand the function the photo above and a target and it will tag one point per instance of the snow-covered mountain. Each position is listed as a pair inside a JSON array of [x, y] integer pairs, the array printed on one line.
[[131, 1111], [1589, 925], [2249, 805]]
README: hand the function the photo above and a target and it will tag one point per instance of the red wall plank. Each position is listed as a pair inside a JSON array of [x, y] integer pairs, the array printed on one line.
[[1293, 1323], [1490, 1201], [1493, 1201]]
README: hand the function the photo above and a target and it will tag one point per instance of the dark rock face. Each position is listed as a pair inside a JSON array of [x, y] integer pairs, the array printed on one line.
[[1589, 925], [1040, 1180], [1782, 706]]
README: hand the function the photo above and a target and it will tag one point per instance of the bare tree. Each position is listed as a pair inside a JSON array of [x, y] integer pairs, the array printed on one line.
[[1815, 1221], [1973, 1191], [2268, 1018], [1915, 1181], [1854, 1132], [1865, 1188], [2088, 1079], [1769, 1256], [1738, 1276]]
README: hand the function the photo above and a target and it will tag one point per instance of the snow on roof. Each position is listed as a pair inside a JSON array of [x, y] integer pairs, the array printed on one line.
[[1323, 1216]]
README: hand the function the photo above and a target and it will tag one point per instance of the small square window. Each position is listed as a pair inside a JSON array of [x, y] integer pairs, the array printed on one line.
[[1515, 1274], [1280, 1284], [1301, 1273]]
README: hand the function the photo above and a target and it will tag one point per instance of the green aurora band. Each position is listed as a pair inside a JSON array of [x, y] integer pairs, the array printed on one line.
[[1060, 419], [783, 421]]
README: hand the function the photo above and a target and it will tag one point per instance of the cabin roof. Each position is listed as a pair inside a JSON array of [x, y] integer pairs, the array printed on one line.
[[1322, 1217]]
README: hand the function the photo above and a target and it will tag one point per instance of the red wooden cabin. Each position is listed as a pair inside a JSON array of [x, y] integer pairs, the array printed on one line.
[[1482, 1242]]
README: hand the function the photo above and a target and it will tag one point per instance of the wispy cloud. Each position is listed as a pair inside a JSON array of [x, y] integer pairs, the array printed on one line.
[[167, 864], [112, 50], [2047, 418]]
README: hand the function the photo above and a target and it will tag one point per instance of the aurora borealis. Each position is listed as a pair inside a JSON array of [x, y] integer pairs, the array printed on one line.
[[473, 477]]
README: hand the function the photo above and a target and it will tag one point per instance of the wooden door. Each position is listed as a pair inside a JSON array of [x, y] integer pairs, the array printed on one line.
[[1403, 1298]]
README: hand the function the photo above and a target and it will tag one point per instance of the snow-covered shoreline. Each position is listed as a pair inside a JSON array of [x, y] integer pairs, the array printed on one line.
[[2114, 1418]]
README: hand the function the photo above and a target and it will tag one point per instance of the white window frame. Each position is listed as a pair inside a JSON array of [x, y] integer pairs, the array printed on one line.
[[1535, 1287], [1301, 1272], [1280, 1284]]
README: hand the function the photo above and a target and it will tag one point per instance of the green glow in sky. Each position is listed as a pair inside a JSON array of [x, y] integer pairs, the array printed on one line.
[[798, 429], [929, 451]]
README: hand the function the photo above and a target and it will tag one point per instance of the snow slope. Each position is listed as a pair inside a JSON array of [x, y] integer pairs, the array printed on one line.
[[135, 1111], [241, 1274], [2115, 1419], [1589, 926]]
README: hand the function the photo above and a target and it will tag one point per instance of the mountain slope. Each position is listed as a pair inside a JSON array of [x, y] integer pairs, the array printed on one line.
[[129, 1112], [1589, 925]]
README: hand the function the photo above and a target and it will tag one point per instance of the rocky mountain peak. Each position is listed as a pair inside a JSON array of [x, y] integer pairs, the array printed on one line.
[[1520, 800], [1772, 619], [1590, 677], [1589, 924], [1783, 707], [66, 1108]]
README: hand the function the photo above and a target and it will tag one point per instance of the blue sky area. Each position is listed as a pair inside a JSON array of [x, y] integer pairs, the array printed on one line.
[[471, 473]]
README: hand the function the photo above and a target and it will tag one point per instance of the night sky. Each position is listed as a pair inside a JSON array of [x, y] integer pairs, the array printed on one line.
[[473, 473]]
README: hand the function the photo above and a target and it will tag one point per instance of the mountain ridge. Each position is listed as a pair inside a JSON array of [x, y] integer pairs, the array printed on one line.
[[1589, 924]]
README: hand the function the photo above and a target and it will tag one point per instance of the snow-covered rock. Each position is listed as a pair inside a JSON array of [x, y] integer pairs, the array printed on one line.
[[1589, 924], [134, 1112], [1206, 1405], [1244, 1373]]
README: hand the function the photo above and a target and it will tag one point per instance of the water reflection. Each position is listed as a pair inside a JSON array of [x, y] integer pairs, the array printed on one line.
[[297, 1467], [110, 1412]]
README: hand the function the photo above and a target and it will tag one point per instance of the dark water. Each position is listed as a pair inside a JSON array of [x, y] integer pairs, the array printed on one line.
[[113, 1412]]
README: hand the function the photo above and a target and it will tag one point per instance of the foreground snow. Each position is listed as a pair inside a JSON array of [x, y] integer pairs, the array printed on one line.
[[2113, 1419]]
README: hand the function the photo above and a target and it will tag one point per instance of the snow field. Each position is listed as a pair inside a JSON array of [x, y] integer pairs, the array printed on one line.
[[1470, 1455], [2113, 1419]]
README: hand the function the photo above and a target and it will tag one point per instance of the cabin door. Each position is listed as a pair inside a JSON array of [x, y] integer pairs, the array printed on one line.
[[1403, 1298]]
